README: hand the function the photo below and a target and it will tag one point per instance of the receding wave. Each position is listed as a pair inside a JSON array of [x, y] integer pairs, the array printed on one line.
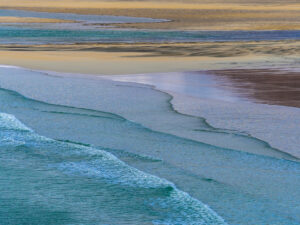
[[162, 201]]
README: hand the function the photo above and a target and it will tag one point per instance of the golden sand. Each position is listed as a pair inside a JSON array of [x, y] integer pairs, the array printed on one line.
[[190, 50], [212, 5], [105, 63], [149, 58], [189, 14]]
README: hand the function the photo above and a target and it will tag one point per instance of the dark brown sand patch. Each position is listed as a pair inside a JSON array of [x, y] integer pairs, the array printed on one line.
[[269, 86]]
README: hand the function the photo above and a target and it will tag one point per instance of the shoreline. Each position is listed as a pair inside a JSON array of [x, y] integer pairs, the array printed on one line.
[[259, 122], [150, 111], [201, 107], [197, 168]]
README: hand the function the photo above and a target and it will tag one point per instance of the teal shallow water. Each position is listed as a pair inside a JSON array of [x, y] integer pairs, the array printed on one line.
[[86, 184], [44, 181], [14, 34]]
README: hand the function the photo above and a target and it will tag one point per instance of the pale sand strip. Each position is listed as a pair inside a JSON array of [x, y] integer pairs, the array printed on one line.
[[102, 63], [12, 19], [164, 4], [119, 63]]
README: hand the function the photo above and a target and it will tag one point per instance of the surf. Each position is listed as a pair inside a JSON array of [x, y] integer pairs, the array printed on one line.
[[75, 168]]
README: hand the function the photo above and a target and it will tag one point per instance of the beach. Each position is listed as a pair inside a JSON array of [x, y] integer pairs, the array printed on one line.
[[147, 112], [151, 58]]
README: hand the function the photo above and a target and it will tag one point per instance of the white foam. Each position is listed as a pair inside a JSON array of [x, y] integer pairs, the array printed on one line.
[[9, 66], [187, 210], [10, 122], [110, 168]]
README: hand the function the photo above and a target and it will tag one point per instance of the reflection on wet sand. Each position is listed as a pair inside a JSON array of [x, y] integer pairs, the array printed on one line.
[[270, 86]]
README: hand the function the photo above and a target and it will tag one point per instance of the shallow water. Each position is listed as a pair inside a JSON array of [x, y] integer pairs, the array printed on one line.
[[85, 184], [69, 34], [86, 19], [44, 181], [141, 104], [72, 33], [200, 94]]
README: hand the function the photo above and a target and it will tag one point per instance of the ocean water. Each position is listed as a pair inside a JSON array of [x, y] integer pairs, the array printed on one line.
[[44, 181], [94, 166], [68, 34]]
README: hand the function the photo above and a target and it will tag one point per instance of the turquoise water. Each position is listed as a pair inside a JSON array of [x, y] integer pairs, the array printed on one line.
[[55, 180], [32, 35], [44, 181], [124, 155]]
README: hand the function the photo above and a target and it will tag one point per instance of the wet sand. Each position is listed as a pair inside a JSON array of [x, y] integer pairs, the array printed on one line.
[[268, 86], [229, 105], [265, 86], [206, 49], [188, 15]]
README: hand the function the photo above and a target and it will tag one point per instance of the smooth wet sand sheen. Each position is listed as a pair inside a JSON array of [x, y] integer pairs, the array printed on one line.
[[269, 86]]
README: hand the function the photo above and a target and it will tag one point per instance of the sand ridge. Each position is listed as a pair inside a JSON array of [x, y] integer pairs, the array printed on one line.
[[148, 50]]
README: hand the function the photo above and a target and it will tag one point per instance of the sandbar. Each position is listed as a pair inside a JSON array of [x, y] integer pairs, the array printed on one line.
[[13, 19]]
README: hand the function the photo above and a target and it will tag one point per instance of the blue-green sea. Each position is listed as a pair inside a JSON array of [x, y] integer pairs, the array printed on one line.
[[83, 150], [34, 35], [74, 165]]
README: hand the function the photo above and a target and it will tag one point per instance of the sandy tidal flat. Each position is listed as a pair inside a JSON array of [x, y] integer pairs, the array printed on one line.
[[198, 14], [147, 57]]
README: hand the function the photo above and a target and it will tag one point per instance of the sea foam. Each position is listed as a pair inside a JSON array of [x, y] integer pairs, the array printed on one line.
[[80, 161]]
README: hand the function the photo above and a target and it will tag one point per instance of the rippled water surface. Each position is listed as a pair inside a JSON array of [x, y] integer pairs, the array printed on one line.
[[34, 35], [91, 170], [49, 182]]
